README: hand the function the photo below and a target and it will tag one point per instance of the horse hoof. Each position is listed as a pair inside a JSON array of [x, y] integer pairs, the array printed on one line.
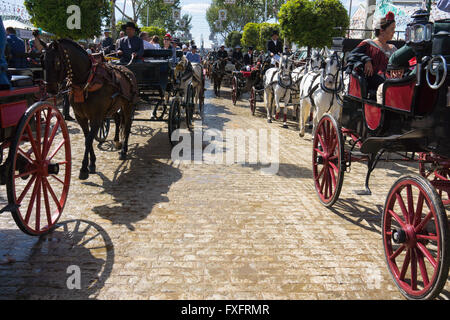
[[118, 145], [285, 126], [84, 175], [301, 134], [269, 120], [122, 156], [92, 169]]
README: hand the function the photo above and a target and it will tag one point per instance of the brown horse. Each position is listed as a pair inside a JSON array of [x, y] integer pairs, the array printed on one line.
[[97, 91], [218, 72]]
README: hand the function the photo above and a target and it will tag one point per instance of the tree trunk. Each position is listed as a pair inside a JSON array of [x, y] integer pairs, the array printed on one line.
[[113, 19]]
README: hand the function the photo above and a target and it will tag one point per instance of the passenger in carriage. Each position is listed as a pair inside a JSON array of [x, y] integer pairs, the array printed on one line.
[[131, 45], [372, 56], [17, 49], [193, 56], [222, 53], [249, 57]]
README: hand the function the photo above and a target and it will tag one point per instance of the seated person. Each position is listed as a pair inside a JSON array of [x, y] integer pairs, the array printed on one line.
[[146, 40], [130, 46], [17, 49], [372, 56], [222, 53], [193, 56], [249, 59], [237, 55]]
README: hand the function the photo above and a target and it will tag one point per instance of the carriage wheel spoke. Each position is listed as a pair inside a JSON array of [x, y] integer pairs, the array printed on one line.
[[320, 152], [333, 177], [402, 207], [38, 131], [52, 193], [427, 254], [49, 142], [410, 204], [38, 207], [418, 214], [397, 252], [25, 174], [47, 204], [25, 191], [33, 142], [46, 131], [57, 149], [413, 269], [398, 219], [422, 267], [33, 198], [423, 222], [320, 173], [405, 266], [26, 155]]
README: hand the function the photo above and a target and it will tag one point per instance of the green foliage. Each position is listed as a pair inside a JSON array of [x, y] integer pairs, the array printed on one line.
[[265, 33], [311, 23], [250, 36], [155, 31], [160, 15], [233, 39], [51, 16], [238, 15], [257, 34]]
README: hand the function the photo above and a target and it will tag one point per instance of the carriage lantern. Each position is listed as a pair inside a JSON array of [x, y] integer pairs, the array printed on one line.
[[419, 32]]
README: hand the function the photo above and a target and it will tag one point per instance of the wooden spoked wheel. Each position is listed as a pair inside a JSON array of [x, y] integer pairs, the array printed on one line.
[[416, 238], [39, 169], [174, 118], [103, 131], [253, 100], [328, 160], [190, 106], [234, 92]]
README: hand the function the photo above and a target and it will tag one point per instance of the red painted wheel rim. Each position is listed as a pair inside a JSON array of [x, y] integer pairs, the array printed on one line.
[[326, 160], [43, 194], [414, 264]]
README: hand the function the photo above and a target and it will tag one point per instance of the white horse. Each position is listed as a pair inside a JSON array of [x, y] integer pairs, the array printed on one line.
[[321, 91], [277, 86], [198, 83]]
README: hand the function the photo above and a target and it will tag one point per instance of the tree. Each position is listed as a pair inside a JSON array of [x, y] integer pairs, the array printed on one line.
[[52, 16], [250, 36], [155, 31], [159, 14], [265, 33], [238, 15], [233, 39], [312, 23]]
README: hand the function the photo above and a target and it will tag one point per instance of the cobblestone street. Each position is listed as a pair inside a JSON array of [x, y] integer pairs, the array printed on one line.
[[149, 228]]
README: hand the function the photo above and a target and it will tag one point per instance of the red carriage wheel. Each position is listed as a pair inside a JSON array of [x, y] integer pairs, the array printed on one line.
[[430, 168], [416, 238], [253, 100], [234, 92], [328, 160], [39, 169]]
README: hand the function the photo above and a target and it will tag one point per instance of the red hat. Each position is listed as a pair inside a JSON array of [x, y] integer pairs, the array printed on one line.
[[168, 36]]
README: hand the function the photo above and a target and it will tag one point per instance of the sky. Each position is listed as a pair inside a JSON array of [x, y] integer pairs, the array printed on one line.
[[197, 9]]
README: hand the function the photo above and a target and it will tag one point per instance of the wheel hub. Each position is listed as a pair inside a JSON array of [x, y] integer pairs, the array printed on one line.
[[398, 236]]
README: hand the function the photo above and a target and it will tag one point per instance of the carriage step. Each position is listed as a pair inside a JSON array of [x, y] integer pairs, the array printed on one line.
[[9, 208]]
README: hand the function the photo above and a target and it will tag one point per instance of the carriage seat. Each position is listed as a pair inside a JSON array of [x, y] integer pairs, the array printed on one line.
[[358, 87], [21, 81]]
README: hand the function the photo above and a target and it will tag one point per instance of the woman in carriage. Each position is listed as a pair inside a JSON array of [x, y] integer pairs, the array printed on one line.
[[372, 56]]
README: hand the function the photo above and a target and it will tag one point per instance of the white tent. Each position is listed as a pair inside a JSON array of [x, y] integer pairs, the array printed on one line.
[[17, 25]]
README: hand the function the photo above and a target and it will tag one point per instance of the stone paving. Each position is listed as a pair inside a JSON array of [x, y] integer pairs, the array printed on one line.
[[149, 228]]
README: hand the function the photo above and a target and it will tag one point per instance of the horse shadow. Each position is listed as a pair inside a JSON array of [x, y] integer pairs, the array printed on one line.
[[285, 170], [48, 267], [139, 183]]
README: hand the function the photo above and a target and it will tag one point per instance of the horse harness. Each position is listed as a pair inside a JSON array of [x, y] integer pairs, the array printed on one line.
[[99, 73]]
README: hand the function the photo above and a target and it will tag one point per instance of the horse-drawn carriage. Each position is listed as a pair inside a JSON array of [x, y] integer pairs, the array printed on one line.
[[413, 118], [37, 168], [159, 79]]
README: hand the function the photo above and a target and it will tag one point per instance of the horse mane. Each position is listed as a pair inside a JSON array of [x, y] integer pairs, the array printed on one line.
[[74, 44]]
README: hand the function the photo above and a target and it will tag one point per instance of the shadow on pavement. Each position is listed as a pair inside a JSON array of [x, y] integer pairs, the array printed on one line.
[[39, 267]]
